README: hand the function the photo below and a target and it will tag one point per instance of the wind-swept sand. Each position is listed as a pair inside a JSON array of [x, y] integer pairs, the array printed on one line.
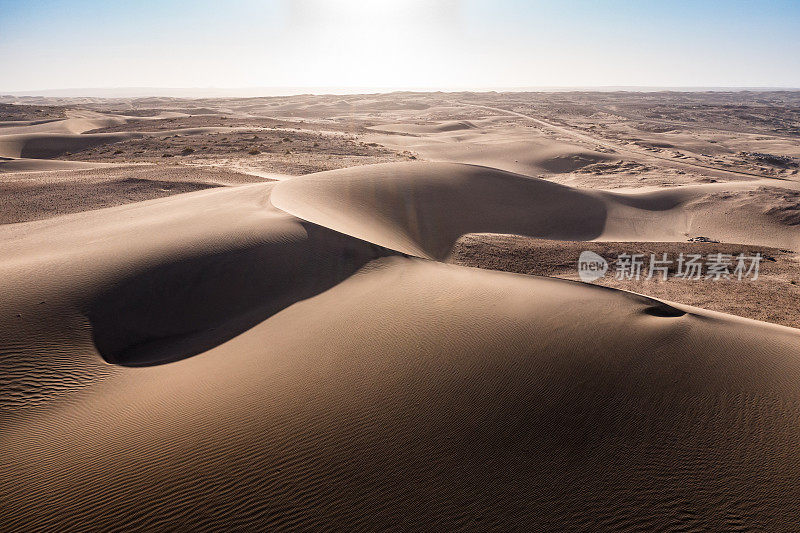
[[422, 208], [43, 192], [398, 392], [294, 354]]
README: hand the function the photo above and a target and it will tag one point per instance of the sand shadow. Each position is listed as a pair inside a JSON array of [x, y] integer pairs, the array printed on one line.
[[184, 307]]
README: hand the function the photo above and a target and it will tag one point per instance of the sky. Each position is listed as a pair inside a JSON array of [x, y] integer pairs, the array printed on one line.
[[398, 44]]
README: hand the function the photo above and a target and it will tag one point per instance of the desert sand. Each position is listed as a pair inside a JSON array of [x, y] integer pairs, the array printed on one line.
[[297, 319]]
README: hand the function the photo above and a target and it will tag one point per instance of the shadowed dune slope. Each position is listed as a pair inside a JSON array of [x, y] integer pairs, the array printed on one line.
[[44, 165], [419, 395], [526, 156], [758, 213], [422, 208], [78, 122], [43, 191], [49, 145], [512, 149], [441, 127], [314, 382], [164, 279], [46, 145]]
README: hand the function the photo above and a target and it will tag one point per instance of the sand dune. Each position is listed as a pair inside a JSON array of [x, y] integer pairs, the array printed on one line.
[[293, 354], [113, 261], [25, 123], [577, 407], [49, 145], [508, 399], [77, 121], [47, 188], [47, 139], [75, 124], [423, 208], [505, 147], [40, 165], [754, 212], [342, 105], [442, 127]]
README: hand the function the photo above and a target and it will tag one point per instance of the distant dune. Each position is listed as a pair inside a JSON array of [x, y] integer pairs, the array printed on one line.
[[442, 127], [422, 208]]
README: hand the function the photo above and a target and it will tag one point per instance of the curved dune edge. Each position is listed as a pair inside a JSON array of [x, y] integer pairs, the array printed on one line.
[[415, 129], [49, 145], [166, 279], [53, 138], [40, 165], [572, 404], [423, 208], [374, 392]]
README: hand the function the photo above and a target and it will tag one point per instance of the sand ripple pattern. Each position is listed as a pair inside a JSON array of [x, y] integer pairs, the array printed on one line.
[[276, 357]]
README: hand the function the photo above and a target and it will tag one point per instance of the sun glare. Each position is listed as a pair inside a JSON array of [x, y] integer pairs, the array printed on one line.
[[352, 43]]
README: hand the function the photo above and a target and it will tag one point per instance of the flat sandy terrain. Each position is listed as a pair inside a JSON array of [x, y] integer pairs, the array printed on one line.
[[777, 283], [364, 313]]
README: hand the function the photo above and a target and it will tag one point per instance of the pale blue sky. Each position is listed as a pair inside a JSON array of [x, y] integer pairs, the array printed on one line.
[[448, 44]]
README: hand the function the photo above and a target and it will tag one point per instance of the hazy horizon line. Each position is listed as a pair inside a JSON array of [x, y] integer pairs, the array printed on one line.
[[273, 91]]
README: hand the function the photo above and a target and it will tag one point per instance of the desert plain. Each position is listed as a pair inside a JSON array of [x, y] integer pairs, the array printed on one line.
[[364, 312]]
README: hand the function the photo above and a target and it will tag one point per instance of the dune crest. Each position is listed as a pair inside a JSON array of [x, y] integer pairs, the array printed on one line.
[[423, 208], [458, 378]]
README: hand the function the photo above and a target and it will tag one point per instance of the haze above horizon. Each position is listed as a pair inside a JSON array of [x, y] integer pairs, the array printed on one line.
[[53, 45]]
